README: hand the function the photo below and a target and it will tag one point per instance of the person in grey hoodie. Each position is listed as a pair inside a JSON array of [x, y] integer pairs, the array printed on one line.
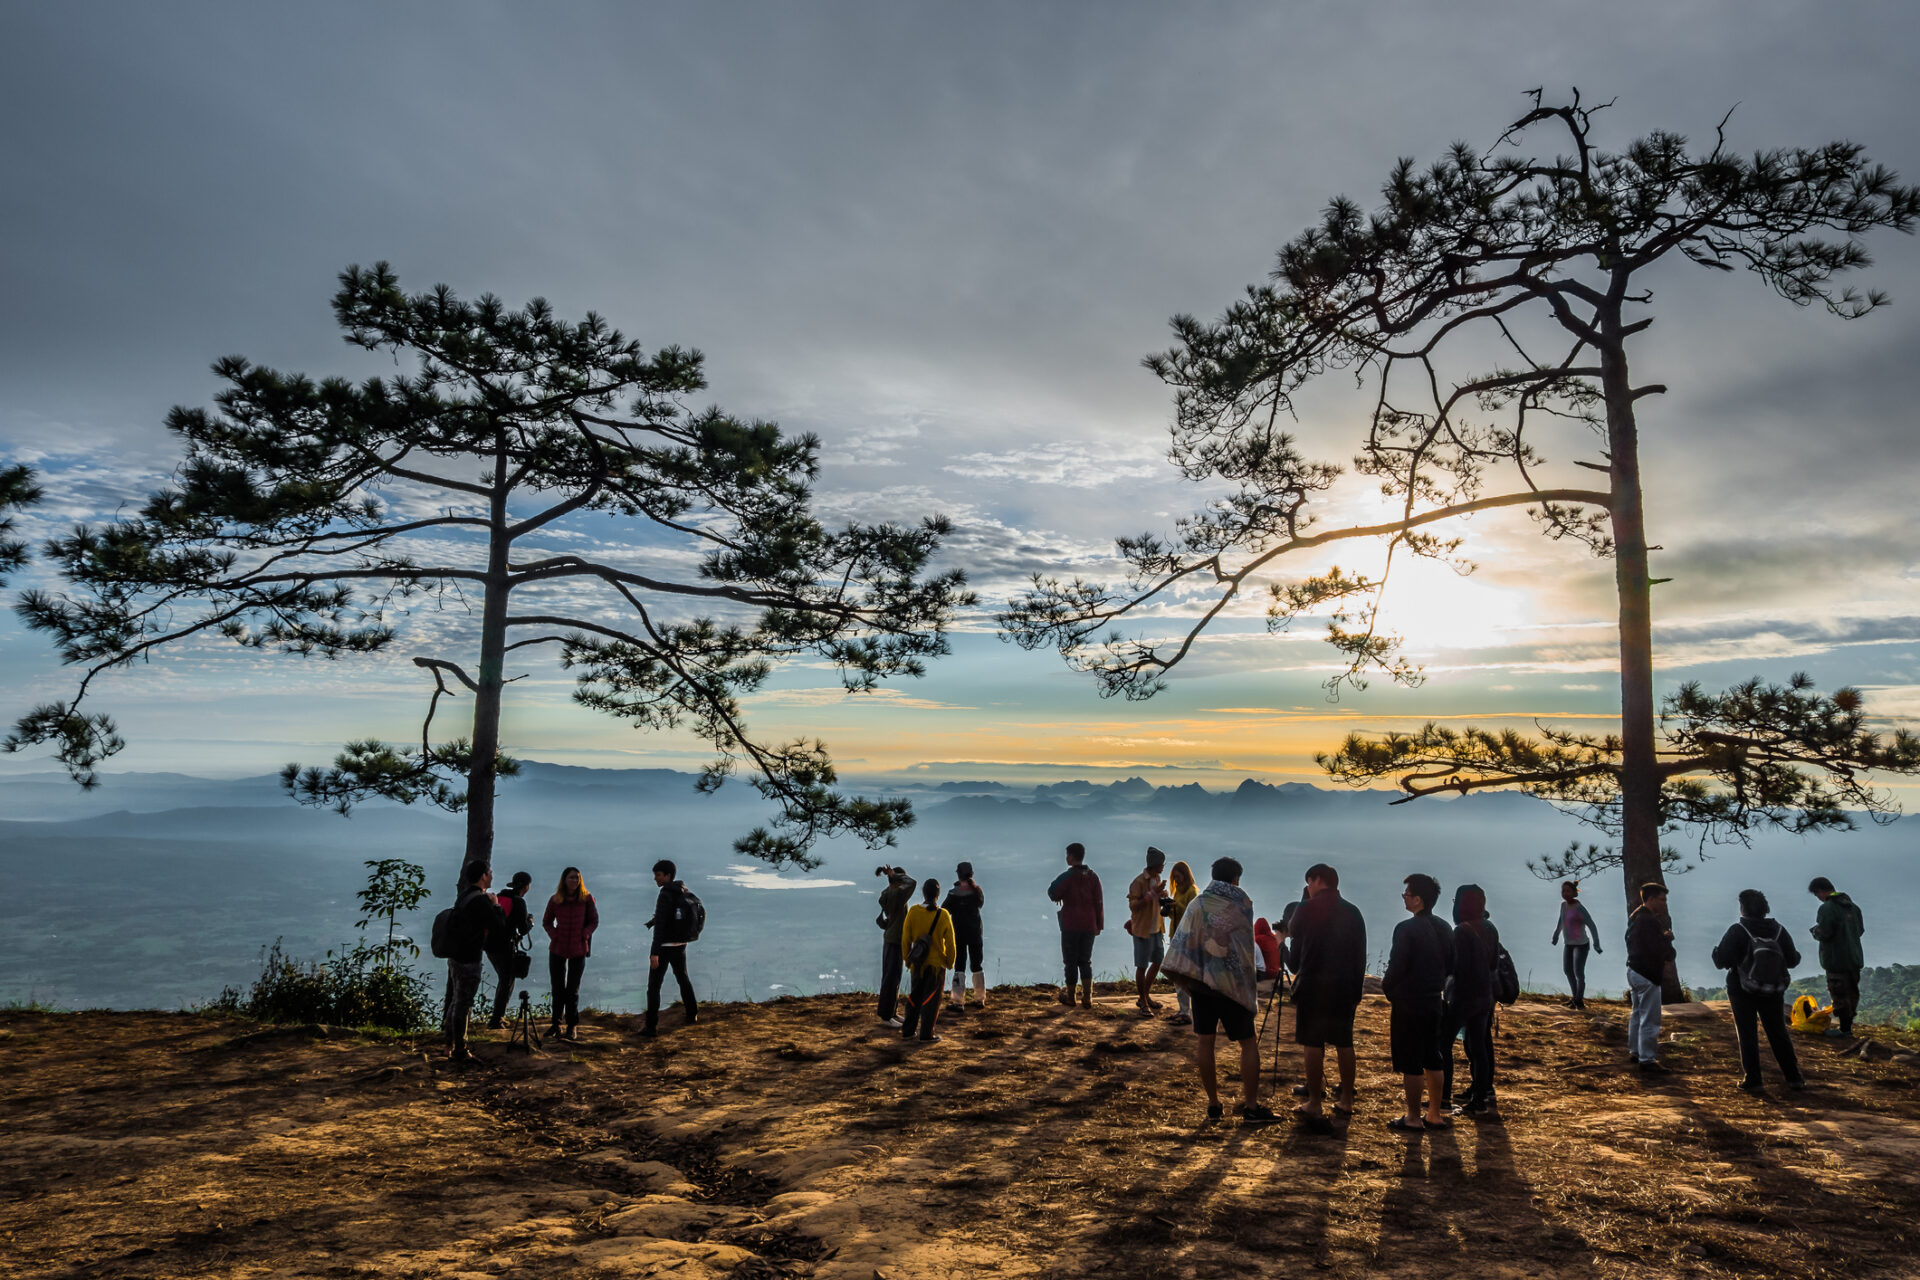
[[1837, 929]]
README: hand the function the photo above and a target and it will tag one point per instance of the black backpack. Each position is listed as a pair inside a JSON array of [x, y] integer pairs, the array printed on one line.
[[1763, 970], [694, 917], [447, 928], [1506, 979]]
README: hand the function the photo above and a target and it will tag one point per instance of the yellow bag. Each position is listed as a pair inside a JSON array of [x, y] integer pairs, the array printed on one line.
[[1810, 1017]]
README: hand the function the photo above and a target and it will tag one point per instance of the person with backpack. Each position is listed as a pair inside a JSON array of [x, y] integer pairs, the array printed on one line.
[[1575, 923], [893, 913], [963, 903], [927, 937], [678, 918], [1083, 916], [1476, 989], [570, 919], [1759, 957], [510, 963], [1649, 950], [1416, 983], [1211, 954], [463, 933], [1837, 929]]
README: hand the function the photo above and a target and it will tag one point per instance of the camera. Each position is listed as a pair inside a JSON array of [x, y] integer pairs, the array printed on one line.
[[1166, 906]]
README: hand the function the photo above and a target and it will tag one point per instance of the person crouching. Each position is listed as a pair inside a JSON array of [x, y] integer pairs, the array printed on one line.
[[926, 939]]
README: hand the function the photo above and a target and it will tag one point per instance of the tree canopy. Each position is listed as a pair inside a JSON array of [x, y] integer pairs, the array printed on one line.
[[311, 517], [1549, 258]]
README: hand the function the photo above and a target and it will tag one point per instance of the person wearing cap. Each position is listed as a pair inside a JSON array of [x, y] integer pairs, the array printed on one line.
[[1147, 926], [478, 926], [506, 965], [963, 905], [1083, 915]]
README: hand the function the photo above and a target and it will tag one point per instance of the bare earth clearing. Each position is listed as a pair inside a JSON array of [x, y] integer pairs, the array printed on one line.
[[800, 1138]]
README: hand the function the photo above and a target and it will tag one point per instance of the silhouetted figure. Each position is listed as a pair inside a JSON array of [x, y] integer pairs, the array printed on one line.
[[926, 936], [1837, 929], [506, 960], [478, 928], [893, 913], [1083, 915], [677, 918], [1416, 982], [1211, 956], [1759, 957], [1476, 946], [963, 903], [1649, 948], [569, 920], [1575, 924], [1329, 950]]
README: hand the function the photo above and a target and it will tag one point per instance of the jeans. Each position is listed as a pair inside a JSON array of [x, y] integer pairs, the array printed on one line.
[[1574, 960], [1076, 953], [1771, 1014], [1477, 1039], [674, 958], [1643, 1024], [503, 980], [463, 983], [923, 1001], [890, 964], [565, 973]]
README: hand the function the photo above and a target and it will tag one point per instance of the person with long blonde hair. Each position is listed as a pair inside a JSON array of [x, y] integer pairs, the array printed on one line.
[[569, 920], [1182, 889]]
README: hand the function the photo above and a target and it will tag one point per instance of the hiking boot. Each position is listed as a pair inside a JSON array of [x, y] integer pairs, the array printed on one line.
[[1215, 1111], [1086, 998], [1798, 1086], [1066, 995], [1754, 1087], [648, 1033], [693, 1017], [1836, 1033], [1648, 1067]]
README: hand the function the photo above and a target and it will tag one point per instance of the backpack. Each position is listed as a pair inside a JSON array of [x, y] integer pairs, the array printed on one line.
[[447, 929], [1763, 970], [1506, 979], [923, 945], [694, 918]]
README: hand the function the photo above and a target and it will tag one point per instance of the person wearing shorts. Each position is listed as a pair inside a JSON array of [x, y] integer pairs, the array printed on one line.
[[1148, 928], [1416, 983], [1329, 947], [1212, 956]]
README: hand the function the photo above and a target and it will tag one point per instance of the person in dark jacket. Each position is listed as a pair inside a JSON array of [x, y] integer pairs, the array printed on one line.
[[1083, 915], [569, 920], [478, 929], [673, 928], [962, 906], [1837, 929], [1755, 929], [1575, 922], [894, 900], [1476, 944], [1416, 983], [1328, 946], [1649, 949], [506, 960]]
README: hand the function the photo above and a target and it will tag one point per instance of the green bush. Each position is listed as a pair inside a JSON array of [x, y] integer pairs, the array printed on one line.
[[348, 989]]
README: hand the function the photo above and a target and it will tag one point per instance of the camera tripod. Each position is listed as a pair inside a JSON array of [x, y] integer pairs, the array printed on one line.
[[521, 1029], [1267, 1011]]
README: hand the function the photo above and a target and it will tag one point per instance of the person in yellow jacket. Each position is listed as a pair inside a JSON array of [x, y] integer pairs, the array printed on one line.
[[926, 940]]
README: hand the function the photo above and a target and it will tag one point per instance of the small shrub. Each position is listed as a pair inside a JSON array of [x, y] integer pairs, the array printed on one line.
[[349, 989]]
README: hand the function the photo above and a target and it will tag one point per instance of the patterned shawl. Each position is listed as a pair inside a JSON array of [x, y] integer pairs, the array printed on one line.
[[1213, 947]]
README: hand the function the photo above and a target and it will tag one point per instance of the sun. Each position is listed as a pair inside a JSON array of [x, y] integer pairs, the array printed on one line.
[[1434, 608]]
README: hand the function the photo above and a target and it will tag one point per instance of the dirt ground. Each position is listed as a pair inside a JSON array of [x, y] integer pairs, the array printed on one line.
[[801, 1138]]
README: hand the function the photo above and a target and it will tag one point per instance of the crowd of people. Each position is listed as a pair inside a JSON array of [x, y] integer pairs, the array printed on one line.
[[1445, 978]]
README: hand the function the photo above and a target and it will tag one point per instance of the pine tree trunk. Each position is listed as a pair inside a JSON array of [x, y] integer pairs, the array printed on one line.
[[490, 678], [1639, 759]]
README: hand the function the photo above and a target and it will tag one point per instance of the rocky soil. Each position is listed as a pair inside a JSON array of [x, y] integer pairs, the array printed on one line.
[[801, 1138]]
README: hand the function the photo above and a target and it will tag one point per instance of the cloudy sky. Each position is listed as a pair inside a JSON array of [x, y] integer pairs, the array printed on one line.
[[942, 237]]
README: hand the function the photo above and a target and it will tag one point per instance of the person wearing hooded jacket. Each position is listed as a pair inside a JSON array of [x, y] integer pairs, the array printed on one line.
[[673, 925], [893, 913], [1766, 1008], [926, 919], [1837, 929], [1475, 945], [963, 904]]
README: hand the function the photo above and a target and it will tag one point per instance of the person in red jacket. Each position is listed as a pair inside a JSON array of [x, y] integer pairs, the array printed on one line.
[[1083, 914], [570, 920]]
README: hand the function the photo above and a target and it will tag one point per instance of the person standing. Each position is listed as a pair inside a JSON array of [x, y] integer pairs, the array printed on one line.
[[1759, 957], [930, 924], [677, 918], [1145, 924], [963, 904], [478, 927], [1476, 944], [1837, 929], [1329, 950], [1649, 948], [1575, 923], [1182, 889], [1211, 956], [569, 920], [1083, 916], [1416, 983], [506, 960], [893, 913]]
